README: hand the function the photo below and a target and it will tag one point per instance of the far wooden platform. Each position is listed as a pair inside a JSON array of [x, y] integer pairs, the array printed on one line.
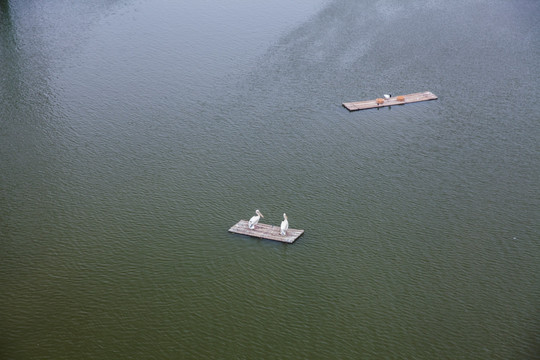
[[370, 104], [265, 231]]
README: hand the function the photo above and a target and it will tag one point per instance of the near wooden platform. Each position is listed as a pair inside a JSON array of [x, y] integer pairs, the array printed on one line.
[[370, 104], [265, 231]]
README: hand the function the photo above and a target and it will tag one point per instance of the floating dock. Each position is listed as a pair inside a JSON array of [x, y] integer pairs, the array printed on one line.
[[265, 231], [395, 100]]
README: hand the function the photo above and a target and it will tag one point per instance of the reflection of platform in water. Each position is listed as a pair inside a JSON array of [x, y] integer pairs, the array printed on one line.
[[396, 100], [265, 231]]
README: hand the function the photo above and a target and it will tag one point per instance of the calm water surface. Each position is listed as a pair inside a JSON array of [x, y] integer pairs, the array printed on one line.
[[134, 133]]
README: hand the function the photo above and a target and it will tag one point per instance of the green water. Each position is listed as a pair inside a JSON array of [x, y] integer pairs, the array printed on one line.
[[135, 133]]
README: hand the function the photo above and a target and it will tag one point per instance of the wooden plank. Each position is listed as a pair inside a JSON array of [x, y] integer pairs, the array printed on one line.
[[265, 231], [370, 104]]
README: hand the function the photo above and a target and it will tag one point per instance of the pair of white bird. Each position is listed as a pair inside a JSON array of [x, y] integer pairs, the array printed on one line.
[[255, 220]]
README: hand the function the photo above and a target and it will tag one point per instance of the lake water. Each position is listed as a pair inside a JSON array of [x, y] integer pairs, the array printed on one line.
[[135, 133]]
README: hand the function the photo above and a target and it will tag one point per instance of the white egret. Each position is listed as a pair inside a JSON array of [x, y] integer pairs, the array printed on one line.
[[284, 225], [255, 219]]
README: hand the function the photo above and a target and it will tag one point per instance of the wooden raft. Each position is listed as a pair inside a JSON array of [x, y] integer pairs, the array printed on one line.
[[370, 104], [265, 231]]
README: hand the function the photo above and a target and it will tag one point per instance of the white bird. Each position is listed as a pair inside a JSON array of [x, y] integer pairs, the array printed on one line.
[[255, 219], [387, 96], [284, 225]]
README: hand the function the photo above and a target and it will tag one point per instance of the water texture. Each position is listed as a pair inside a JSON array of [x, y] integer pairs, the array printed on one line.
[[135, 133]]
